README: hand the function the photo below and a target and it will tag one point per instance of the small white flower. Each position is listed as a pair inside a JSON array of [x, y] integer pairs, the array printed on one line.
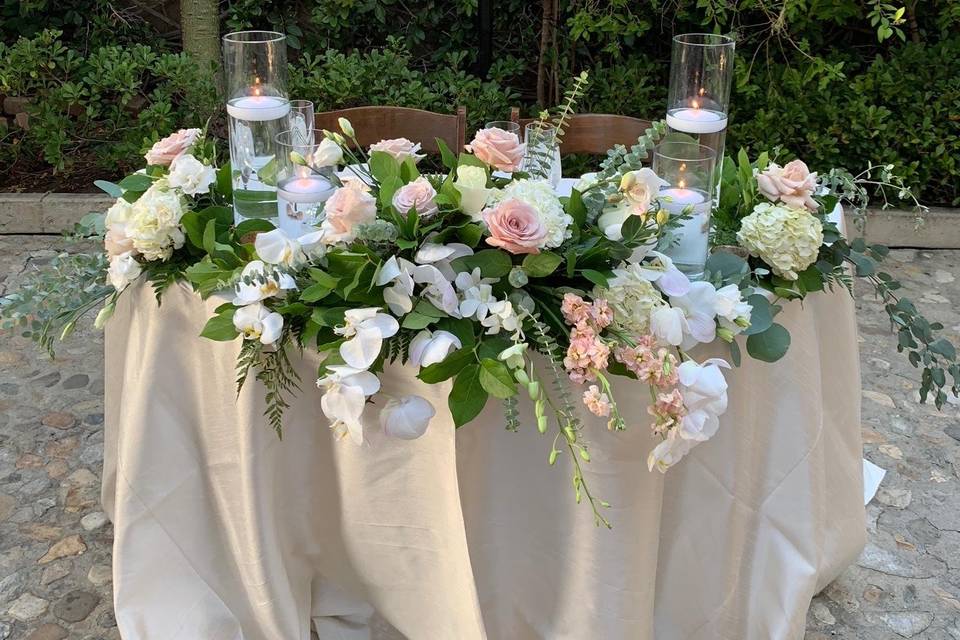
[[327, 154], [261, 285], [407, 417], [123, 270], [346, 127], [431, 347], [513, 356], [477, 296], [366, 329], [190, 175], [276, 247], [257, 322], [501, 318]]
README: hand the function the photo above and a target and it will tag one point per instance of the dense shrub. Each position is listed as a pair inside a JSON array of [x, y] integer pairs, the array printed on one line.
[[838, 83]]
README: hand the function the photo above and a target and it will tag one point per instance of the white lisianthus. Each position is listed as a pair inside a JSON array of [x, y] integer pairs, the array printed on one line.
[[639, 188], [123, 270], [366, 329], [786, 238], [190, 175], [632, 298], [346, 127], [407, 417], [118, 213], [328, 154], [733, 312], [256, 284], [257, 322], [428, 347], [276, 247], [345, 393], [539, 195], [471, 182], [153, 225]]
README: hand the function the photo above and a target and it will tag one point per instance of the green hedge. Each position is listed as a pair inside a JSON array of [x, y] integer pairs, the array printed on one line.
[[816, 81]]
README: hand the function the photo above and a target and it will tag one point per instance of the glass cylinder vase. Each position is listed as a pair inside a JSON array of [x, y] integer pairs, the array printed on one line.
[[688, 168], [542, 157], [302, 187], [701, 76], [258, 106]]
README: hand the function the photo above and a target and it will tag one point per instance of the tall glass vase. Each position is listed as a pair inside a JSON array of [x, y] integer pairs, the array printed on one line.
[[258, 106], [701, 75], [542, 158]]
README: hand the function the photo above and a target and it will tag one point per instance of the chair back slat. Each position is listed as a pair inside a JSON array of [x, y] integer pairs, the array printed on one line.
[[373, 124], [595, 133]]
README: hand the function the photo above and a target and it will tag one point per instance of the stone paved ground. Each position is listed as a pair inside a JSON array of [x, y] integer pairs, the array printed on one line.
[[55, 541]]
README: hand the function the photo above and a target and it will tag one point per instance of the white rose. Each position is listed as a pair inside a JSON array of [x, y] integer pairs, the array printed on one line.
[[123, 270], [257, 322], [190, 175], [640, 187], [154, 222]]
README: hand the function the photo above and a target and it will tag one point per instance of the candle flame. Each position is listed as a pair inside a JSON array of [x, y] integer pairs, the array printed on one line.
[[682, 184], [683, 166], [702, 90], [695, 104], [256, 86]]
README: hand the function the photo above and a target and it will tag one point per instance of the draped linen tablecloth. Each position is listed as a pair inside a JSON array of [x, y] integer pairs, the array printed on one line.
[[224, 532]]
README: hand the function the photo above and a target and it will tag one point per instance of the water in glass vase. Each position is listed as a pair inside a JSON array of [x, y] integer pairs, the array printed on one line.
[[255, 122]]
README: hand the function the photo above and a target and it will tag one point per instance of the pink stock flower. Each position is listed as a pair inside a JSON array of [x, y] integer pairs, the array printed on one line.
[[601, 313], [586, 355], [515, 227], [418, 194], [792, 184], [576, 311], [596, 402], [658, 368], [498, 148], [667, 411], [165, 151]]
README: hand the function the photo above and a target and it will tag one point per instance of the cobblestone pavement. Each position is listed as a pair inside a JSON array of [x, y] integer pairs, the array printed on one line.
[[55, 542]]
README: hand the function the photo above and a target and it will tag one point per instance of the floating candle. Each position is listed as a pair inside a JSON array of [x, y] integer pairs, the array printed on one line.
[[696, 120], [689, 252], [257, 108], [306, 190]]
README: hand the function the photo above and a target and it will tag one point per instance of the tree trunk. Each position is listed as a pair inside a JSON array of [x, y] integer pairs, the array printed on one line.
[[200, 29], [547, 27]]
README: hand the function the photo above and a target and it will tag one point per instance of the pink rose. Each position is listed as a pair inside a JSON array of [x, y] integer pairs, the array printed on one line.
[[349, 207], [116, 242], [418, 194], [165, 151], [515, 227], [399, 148], [498, 148], [792, 184]]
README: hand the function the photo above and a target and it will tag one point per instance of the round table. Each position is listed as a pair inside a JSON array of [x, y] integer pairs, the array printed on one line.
[[225, 532]]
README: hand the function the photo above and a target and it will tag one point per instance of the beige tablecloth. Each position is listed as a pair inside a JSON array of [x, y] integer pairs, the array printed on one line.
[[224, 532]]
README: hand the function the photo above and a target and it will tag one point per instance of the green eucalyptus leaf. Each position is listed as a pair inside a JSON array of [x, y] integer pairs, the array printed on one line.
[[770, 345]]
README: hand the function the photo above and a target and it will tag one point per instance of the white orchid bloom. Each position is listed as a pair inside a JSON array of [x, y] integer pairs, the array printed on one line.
[[366, 329], [276, 247], [477, 294], [659, 269], [669, 452], [698, 310], [471, 182], [312, 244], [441, 255], [407, 417], [257, 322], [398, 297], [431, 347], [668, 324], [703, 385], [612, 218], [262, 285], [438, 289], [698, 426], [732, 310], [345, 395]]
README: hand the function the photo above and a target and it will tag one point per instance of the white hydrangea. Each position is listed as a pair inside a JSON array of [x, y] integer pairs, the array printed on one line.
[[154, 222], [539, 194], [785, 238], [633, 299]]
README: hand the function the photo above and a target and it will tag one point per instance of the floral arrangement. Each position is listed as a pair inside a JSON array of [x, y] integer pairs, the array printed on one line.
[[492, 283]]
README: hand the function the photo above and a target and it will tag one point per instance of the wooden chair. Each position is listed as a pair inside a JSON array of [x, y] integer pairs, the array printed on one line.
[[373, 124], [594, 133]]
